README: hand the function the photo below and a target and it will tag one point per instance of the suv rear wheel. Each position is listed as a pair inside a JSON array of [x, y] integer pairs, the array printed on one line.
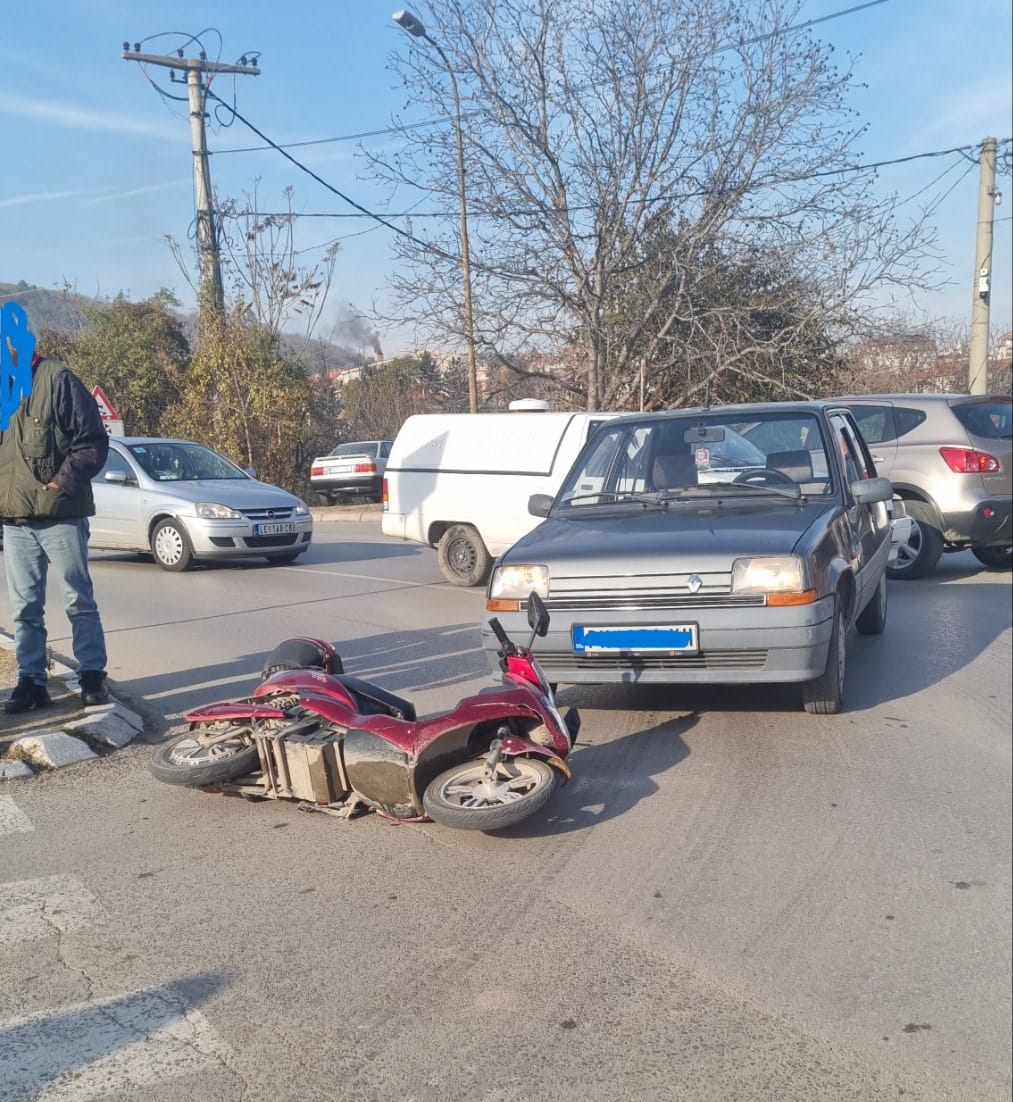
[[997, 558], [917, 557]]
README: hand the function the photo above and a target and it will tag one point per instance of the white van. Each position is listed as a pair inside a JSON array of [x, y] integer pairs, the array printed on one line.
[[460, 482]]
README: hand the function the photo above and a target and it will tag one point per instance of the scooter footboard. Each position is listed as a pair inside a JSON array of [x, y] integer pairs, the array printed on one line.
[[303, 761]]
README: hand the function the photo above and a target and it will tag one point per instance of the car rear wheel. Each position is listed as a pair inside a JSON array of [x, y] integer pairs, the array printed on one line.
[[918, 554], [463, 557], [995, 558], [171, 546]]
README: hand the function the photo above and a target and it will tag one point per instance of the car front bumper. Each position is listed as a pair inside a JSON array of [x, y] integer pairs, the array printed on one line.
[[736, 646], [232, 539]]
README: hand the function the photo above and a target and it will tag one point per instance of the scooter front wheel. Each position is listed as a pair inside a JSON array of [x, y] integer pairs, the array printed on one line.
[[188, 761], [468, 798]]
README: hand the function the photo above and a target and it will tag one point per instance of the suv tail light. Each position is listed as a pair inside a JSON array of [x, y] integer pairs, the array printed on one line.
[[386, 497], [969, 461]]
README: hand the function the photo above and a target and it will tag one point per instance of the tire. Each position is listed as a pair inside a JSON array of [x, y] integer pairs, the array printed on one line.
[[917, 557], [184, 761], [462, 556], [288, 556], [824, 695], [995, 558], [171, 546], [872, 618], [455, 798]]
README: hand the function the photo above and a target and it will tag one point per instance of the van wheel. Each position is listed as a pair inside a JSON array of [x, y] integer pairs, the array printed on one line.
[[462, 556]]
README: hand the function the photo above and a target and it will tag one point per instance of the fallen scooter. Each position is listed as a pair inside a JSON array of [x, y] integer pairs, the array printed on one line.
[[342, 745]]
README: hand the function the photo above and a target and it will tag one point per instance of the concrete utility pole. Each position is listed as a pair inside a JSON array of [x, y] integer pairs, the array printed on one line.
[[207, 234], [977, 364]]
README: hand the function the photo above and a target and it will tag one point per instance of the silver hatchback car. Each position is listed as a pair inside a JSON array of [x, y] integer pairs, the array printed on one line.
[[182, 502], [949, 456]]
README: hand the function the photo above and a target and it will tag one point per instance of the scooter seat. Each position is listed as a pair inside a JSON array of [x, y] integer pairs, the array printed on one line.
[[376, 700]]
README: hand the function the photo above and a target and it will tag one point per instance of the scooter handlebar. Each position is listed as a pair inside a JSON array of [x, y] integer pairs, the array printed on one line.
[[507, 646]]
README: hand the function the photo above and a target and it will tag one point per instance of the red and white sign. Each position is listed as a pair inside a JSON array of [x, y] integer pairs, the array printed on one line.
[[110, 418]]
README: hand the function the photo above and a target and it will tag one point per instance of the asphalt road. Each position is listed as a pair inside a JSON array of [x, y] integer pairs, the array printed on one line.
[[732, 899]]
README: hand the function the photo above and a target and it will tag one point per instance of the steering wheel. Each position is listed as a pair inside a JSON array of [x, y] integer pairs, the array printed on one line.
[[765, 476]]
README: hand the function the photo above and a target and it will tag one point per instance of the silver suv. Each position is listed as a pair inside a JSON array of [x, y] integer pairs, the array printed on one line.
[[949, 457]]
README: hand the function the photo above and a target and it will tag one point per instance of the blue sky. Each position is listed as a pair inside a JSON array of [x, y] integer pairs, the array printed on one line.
[[98, 168]]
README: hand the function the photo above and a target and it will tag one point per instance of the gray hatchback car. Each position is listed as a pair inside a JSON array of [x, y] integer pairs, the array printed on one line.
[[734, 544], [949, 457]]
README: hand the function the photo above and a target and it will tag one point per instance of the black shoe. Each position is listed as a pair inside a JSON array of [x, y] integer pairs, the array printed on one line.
[[27, 694], [93, 687]]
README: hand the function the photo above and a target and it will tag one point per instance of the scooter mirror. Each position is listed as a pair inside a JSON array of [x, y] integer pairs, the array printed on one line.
[[538, 614]]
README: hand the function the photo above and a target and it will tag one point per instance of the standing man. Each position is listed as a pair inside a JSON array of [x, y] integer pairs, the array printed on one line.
[[51, 448]]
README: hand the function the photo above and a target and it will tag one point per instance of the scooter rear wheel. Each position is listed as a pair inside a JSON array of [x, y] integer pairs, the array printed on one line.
[[187, 761], [463, 797]]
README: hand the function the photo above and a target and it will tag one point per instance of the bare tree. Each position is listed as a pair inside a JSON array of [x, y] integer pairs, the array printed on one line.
[[672, 149]]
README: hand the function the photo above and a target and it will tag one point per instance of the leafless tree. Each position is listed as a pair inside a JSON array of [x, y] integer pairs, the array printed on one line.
[[627, 164]]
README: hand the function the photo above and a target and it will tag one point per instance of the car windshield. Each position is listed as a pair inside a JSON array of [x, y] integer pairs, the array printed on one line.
[[693, 455], [173, 461], [356, 449]]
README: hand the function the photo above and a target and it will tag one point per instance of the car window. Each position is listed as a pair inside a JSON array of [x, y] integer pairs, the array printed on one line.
[[907, 418], [116, 464], [876, 422], [356, 449], [385, 449], [856, 463], [993, 420]]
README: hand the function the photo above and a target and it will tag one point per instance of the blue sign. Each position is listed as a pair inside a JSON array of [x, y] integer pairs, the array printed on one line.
[[17, 346]]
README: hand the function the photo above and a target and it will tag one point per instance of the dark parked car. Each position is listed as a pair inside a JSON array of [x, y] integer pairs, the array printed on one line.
[[949, 457], [730, 544]]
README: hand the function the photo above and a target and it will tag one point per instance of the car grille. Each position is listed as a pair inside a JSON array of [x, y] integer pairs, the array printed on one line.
[[276, 512], [712, 660]]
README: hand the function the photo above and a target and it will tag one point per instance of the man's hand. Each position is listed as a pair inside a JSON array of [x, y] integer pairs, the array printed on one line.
[[51, 486]]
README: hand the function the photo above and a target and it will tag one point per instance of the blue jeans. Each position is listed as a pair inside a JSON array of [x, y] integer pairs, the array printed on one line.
[[29, 551]]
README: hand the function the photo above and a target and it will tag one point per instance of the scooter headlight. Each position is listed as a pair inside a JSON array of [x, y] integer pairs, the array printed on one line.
[[511, 585]]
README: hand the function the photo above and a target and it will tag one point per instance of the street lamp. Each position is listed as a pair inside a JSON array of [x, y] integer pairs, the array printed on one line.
[[416, 28]]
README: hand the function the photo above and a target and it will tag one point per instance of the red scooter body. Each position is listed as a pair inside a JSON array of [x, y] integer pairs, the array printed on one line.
[[491, 760]]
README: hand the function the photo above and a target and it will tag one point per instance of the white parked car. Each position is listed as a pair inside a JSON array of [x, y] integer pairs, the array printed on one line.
[[182, 502], [352, 470]]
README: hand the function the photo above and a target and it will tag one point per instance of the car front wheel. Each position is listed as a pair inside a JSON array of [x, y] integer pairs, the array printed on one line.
[[171, 546], [824, 695]]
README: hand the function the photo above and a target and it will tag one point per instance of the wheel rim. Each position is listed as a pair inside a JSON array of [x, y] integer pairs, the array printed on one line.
[[470, 788], [909, 550], [189, 751], [462, 557], [169, 545]]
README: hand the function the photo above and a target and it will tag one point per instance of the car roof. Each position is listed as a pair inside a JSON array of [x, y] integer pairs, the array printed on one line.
[[747, 409], [928, 397]]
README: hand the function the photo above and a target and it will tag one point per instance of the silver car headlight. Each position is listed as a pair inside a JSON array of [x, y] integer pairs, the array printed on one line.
[[782, 579], [301, 509], [211, 510], [511, 585]]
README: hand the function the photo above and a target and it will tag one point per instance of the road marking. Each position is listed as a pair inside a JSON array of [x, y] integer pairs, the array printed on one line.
[[92, 1050], [33, 909], [12, 819]]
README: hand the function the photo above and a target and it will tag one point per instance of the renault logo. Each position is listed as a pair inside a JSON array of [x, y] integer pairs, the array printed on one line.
[[695, 583]]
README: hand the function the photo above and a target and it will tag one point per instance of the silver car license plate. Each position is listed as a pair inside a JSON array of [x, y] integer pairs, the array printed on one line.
[[638, 639], [282, 529]]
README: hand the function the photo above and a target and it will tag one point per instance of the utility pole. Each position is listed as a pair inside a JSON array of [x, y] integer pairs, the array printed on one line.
[[212, 290], [977, 363]]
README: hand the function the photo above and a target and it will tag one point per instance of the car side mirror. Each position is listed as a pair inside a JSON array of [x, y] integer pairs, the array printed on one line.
[[118, 478], [538, 615], [867, 490], [539, 505]]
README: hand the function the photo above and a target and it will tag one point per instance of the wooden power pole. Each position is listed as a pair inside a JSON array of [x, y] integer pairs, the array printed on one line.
[[977, 362], [207, 234]]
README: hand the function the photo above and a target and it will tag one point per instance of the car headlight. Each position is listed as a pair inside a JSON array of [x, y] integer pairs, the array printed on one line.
[[782, 579], [511, 585], [211, 510], [301, 509]]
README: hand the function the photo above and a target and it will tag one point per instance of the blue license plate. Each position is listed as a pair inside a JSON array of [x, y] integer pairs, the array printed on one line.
[[646, 639]]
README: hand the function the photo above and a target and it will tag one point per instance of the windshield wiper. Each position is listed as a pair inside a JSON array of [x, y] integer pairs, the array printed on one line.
[[794, 494], [641, 497]]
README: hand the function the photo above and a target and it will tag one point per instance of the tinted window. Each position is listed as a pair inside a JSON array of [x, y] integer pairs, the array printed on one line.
[[993, 420], [906, 419], [875, 422]]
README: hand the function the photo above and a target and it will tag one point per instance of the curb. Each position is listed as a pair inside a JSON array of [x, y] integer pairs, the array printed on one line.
[[326, 514]]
